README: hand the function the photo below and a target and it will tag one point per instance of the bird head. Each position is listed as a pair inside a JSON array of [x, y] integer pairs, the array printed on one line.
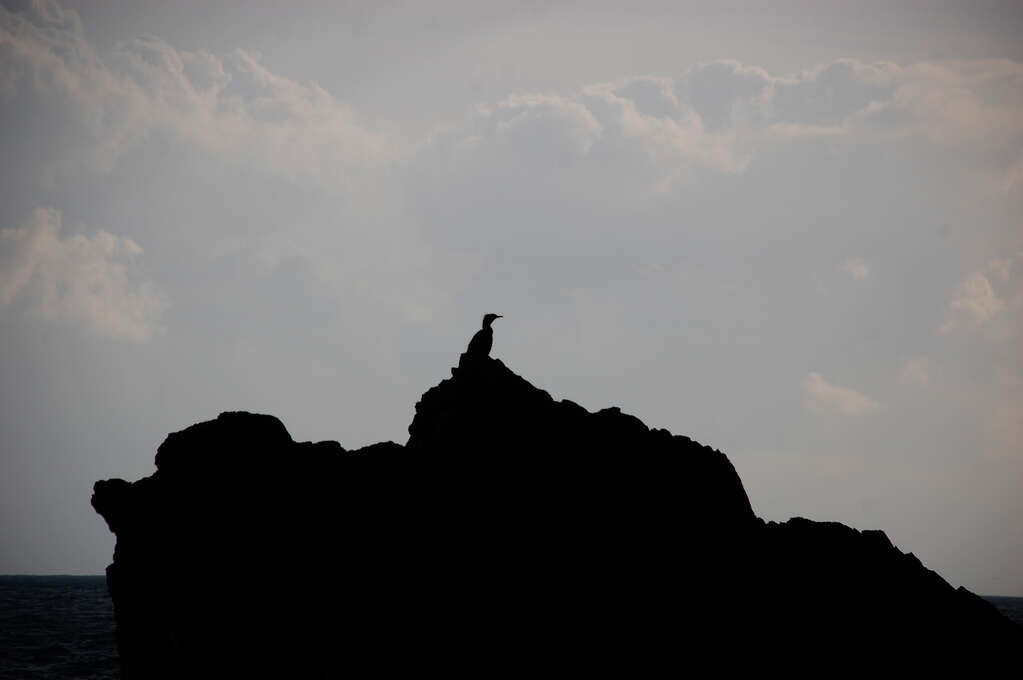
[[489, 319]]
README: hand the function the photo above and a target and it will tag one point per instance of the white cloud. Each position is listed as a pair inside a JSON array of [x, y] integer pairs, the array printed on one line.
[[83, 280], [974, 304], [721, 115], [984, 297], [718, 115], [961, 102], [823, 396], [857, 267], [675, 137], [233, 108]]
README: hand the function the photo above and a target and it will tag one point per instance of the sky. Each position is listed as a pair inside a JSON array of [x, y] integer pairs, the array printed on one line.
[[791, 231]]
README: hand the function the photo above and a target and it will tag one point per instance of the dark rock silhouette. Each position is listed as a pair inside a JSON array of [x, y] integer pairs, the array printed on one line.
[[511, 534]]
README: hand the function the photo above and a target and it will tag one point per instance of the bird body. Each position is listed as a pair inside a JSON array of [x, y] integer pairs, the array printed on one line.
[[483, 340]]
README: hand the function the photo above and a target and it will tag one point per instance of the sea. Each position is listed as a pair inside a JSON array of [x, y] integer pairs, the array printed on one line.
[[62, 627], [58, 627]]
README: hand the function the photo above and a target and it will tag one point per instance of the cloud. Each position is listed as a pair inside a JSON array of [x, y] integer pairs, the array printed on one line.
[[857, 267], [231, 107], [960, 102], [83, 280], [820, 395], [721, 115], [830, 94], [723, 92], [675, 141], [718, 115], [533, 115], [528, 164], [974, 304], [984, 297]]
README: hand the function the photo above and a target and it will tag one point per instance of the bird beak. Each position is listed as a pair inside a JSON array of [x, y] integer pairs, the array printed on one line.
[[499, 316]]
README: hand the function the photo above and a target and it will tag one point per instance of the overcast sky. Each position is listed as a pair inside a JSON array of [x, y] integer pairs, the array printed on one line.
[[794, 233]]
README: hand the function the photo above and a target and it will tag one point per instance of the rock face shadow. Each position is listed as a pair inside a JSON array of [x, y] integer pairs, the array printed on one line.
[[511, 534]]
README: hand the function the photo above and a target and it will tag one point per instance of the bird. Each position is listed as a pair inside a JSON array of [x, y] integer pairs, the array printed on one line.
[[481, 343]]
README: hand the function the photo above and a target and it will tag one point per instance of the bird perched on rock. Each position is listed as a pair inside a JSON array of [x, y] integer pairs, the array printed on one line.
[[481, 343]]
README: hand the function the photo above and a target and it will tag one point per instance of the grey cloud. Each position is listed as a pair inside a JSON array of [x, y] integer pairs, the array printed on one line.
[[828, 95], [654, 97], [721, 91]]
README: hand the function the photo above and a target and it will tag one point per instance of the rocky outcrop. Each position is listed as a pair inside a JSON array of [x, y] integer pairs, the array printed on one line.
[[511, 533]]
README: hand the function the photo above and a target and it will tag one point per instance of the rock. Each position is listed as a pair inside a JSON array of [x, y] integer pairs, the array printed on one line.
[[511, 534]]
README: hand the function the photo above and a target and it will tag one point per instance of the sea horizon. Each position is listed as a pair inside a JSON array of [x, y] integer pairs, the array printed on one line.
[[983, 595]]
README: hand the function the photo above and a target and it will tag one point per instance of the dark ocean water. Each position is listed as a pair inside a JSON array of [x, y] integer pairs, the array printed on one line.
[[1011, 607], [58, 627], [62, 627]]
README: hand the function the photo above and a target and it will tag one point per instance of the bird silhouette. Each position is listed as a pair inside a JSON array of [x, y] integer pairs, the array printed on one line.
[[481, 343]]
